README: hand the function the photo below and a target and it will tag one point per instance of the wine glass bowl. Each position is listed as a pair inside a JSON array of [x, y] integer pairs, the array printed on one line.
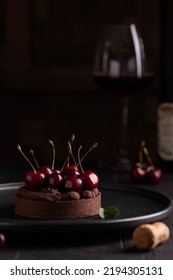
[[120, 62]]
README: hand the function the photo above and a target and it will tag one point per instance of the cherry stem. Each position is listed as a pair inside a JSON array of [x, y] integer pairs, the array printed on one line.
[[141, 151], [72, 138], [93, 147], [148, 155], [71, 152], [140, 156], [80, 159], [20, 150], [64, 165], [69, 149], [53, 149], [143, 144], [32, 153]]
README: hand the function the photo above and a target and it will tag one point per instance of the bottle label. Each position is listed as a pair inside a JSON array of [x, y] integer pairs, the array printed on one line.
[[165, 131]]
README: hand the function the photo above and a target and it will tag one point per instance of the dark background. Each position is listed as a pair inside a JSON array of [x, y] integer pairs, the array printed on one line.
[[46, 86]]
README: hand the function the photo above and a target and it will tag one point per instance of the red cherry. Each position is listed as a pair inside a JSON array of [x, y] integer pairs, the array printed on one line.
[[149, 169], [46, 170], [55, 179], [34, 180], [56, 171], [91, 180], [154, 174], [71, 170], [73, 183], [2, 240], [138, 173]]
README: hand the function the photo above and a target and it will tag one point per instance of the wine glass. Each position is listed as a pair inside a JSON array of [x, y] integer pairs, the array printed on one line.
[[119, 66]]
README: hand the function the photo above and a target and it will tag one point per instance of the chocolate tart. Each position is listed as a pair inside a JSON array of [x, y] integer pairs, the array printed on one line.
[[45, 205]]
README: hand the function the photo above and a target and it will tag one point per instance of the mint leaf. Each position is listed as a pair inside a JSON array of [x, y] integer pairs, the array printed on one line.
[[102, 213], [109, 212]]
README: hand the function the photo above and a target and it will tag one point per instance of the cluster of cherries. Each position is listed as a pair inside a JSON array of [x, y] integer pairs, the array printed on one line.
[[69, 178], [143, 172]]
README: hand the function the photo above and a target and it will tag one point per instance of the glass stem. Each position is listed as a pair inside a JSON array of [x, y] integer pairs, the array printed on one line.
[[125, 112], [123, 151]]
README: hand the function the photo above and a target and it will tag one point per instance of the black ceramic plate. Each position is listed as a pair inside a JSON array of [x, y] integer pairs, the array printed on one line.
[[136, 205]]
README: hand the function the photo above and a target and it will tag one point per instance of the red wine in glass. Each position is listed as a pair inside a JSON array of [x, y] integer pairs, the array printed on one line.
[[124, 84]]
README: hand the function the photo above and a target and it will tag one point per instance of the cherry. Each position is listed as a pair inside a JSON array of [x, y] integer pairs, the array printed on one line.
[[154, 174], [56, 171], [91, 180], [46, 170], [34, 180], [2, 240], [71, 170], [73, 183], [70, 153], [55, 179], [52, 175], [138, 173]]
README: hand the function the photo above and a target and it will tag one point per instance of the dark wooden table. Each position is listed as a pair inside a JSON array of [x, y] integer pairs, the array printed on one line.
[[116, 245]]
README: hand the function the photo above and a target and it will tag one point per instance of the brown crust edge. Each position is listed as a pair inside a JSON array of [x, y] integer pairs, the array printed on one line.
[[57, 210]]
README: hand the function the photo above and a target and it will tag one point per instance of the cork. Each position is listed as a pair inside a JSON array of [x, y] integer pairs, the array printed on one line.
[[148, 236]]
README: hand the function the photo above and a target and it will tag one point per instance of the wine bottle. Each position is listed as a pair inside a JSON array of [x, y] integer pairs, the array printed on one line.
[[165, 123]]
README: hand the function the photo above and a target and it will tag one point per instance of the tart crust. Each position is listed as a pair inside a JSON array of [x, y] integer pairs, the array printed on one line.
[[57, 210]]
